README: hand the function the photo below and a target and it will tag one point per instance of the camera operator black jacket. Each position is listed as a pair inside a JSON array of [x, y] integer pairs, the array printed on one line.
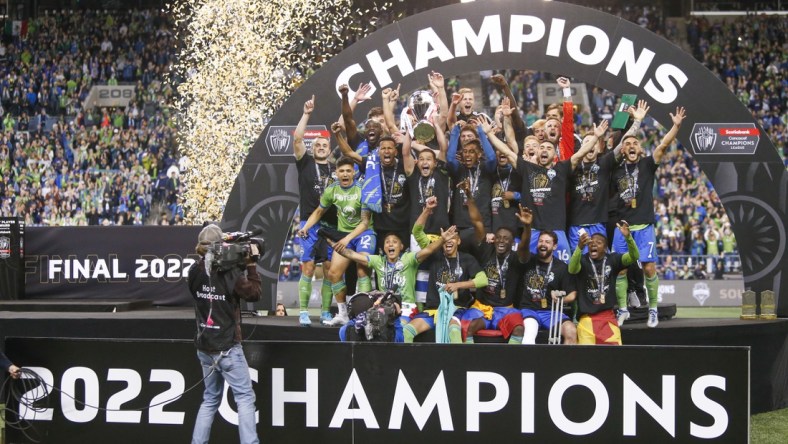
[[217, 301]]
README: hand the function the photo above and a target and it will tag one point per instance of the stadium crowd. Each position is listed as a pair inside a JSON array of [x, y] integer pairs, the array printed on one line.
[[63, 164]]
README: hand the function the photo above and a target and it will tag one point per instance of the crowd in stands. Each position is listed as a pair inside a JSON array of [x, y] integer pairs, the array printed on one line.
[[63, 164]]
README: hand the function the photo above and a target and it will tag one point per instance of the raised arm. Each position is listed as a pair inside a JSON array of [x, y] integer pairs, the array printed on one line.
[[638, 114], [490, 161], [524, 247], [427, 251], [347, 117], [299, 148], [347, 151], [454, 142], [517, 121], [437, 84], [408, 163], [677, 118], [443, 144], [390, 97], [451, 117], [567, 144], [589, 144], [508, 128], [574, 261], [499, 145], [473, 212], [632, 254], [418, 227]]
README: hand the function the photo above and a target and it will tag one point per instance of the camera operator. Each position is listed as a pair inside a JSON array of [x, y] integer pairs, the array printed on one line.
[[217, 293]]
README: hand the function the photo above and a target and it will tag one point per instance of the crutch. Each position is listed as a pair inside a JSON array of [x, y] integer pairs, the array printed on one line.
[[556, 316]]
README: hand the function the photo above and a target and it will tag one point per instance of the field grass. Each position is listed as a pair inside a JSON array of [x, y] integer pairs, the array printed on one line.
[[770, 428], [708, 312]]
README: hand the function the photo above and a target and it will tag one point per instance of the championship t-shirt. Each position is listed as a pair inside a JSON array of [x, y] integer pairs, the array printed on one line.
[[595, 279], [539, 279], [399, 277], [504, 212], [462, 267], [589, 191], [544, 192], [501, 276], [421, 188], [348, 204], [634, 185], [313, 179], [481, 188], [396, 205]]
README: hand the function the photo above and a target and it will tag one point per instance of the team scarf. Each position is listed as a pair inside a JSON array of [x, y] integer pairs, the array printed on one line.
[[443, 317], [371, 191]]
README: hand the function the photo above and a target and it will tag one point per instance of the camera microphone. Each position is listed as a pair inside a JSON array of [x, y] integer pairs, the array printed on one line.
[[241, 235]]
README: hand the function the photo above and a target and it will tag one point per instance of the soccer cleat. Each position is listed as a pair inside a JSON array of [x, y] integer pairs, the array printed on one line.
[[325, 317], [339, 320], [623, 315], [304, 320], [653, 317]]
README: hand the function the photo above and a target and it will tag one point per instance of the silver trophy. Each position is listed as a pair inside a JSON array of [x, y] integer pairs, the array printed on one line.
[[421, 106]]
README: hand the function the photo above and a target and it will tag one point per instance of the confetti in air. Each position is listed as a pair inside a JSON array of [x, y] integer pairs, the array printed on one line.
[[238, 61]]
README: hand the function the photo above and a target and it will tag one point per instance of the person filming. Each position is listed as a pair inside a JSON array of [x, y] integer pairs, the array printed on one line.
[[224, 275]]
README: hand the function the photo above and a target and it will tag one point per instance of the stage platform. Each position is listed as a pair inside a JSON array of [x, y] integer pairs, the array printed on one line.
[[768, 340]]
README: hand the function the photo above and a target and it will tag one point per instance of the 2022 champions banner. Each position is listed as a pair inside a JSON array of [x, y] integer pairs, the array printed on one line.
[[365, 393], [584, 44]]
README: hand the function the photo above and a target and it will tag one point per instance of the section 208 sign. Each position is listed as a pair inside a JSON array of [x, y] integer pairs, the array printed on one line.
[[392, 393]]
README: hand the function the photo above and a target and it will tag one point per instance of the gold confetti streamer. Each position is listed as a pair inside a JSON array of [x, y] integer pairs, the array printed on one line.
[[238, 62]]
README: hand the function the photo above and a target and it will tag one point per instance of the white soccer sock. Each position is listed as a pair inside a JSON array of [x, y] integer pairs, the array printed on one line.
[[342, 306], [531, 329]]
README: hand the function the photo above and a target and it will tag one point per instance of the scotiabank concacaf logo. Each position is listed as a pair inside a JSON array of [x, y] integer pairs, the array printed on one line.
[[5, 247], [724, 138], [279, 140], [704, 138]]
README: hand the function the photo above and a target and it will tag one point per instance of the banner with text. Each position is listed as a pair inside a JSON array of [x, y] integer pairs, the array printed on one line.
[[12, 277], [390, 393], [590, 47], [118, 262], [707, 293], [109, 95]]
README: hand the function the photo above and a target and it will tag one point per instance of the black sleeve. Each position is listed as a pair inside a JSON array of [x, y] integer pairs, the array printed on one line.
[[5, 362], [249, 284]]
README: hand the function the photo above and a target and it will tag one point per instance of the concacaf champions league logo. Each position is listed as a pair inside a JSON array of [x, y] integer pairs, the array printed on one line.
[[5, 247], [279, 141], [704, 138]]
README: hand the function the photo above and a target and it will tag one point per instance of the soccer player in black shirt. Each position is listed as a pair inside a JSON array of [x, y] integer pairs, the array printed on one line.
[[633, 182], [596, 292], [395, 217], [589, 190], [479, 175], [492, 309], [545, 184], [457, 273], [542, 280], [315, 173]]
